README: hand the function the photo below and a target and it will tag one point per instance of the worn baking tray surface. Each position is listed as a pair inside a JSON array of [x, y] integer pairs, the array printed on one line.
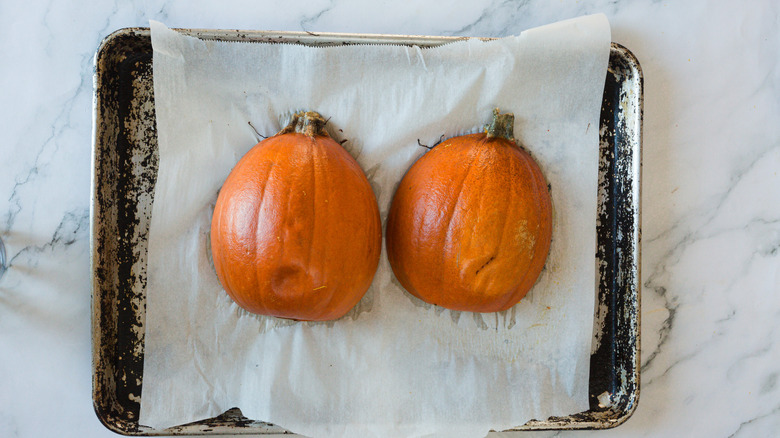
[[123, 177]]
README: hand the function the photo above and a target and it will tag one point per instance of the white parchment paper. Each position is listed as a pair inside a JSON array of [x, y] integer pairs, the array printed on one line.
[[394, 366]]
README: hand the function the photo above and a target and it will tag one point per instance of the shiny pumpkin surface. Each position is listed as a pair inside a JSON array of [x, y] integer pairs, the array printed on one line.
[[296, 231], [470, 225]]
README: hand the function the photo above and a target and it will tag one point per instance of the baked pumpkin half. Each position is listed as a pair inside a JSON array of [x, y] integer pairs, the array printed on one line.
[[470, 224], [296, 231]]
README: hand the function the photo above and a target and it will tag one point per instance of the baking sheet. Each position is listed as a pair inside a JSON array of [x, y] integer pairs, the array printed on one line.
[[106, 257]]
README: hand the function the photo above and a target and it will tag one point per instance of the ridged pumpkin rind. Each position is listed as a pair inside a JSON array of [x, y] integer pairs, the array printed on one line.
[[470, 225], [296, 231]]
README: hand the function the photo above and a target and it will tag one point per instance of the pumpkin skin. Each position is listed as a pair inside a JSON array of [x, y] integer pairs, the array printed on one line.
[[470, 225], [296, 232]]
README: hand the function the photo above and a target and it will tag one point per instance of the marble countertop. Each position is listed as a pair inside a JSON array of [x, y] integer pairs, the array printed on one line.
[[710, 193]]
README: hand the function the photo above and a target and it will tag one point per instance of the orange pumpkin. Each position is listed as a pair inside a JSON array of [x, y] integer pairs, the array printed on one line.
[[296, 231], [470, 224]]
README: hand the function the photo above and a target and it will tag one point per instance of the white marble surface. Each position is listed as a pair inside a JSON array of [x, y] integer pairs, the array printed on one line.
[[711, 193]]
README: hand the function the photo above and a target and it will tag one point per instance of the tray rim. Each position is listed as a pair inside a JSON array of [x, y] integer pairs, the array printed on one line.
[[338, 39]]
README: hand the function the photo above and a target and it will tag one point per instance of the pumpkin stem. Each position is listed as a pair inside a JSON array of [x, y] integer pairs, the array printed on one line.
[[502, 126], [309, 123]]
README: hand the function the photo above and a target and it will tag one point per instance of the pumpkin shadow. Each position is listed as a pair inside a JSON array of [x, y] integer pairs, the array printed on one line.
[[505, 319]]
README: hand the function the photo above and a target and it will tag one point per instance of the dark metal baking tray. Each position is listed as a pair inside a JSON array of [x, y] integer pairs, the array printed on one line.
[[124, 154]]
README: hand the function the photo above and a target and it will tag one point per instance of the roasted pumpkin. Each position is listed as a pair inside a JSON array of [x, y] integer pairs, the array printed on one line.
[[470, 224], [296, 231]]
